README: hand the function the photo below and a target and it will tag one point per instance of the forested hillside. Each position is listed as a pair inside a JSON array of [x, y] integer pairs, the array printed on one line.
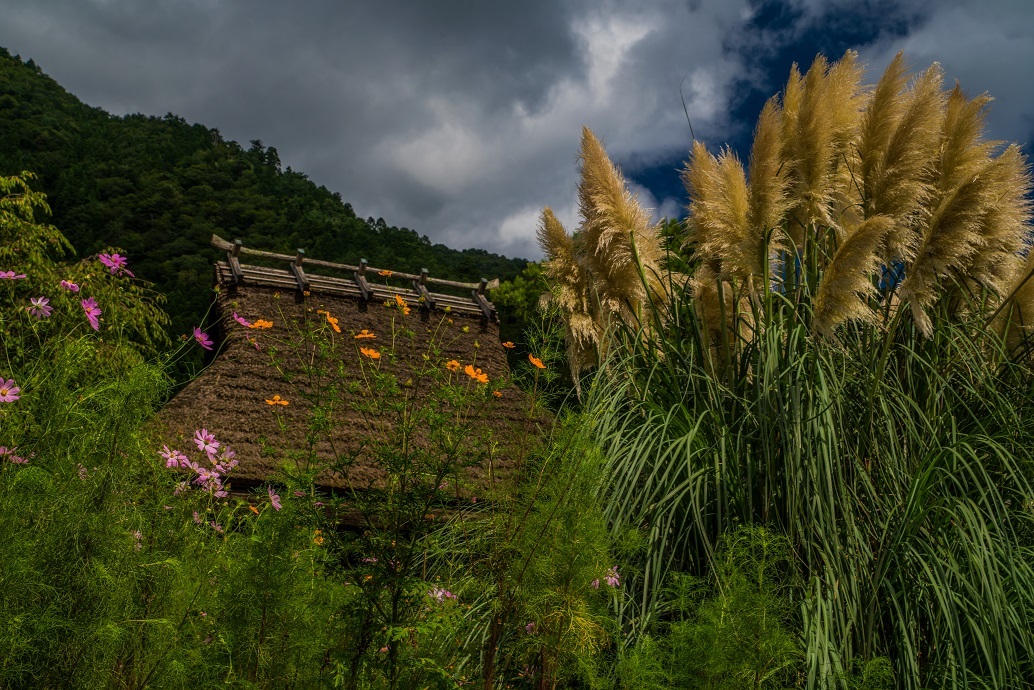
[[158, 187]]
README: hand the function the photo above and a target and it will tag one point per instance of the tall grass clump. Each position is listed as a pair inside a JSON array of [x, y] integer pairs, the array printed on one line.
[[846, 363]]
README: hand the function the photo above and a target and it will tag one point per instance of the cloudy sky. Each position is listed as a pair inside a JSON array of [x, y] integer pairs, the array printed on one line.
[[461, 119]]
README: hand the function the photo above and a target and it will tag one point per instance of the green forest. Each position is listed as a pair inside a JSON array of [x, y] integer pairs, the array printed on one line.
[[784, 442], [157, 188]]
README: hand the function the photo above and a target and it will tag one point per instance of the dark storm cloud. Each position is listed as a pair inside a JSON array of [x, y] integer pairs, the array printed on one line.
[[461, 120]]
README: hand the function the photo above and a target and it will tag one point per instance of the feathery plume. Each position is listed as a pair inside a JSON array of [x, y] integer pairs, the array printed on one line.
[[766, 191], [897, 185], [847, 282], [717, 221], [569, 293], [617, 241], [962, 149], [821, 130], [878, 123], [1005, 223]]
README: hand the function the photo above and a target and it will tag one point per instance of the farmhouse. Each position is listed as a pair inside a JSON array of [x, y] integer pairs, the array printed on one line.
[[324, 371]]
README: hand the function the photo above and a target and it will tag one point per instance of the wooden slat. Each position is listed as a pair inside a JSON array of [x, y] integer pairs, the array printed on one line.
[[260, 276], [220, 243]]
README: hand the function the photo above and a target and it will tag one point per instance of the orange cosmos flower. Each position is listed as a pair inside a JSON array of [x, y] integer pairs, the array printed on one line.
[[277, 400], [365, 334], [333, 322], [452, 365], [536, 361], [509, 345], [253, 509], [497, 394], [384, 274], [476, 374], [261, 323], [317, 538], [401, 303], [369, 352]]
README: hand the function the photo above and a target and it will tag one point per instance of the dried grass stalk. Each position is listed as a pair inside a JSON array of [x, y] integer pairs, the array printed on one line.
[[1005, 223], [847, 284], [617, 242], [766, 205], [817, 138], [717, 224]]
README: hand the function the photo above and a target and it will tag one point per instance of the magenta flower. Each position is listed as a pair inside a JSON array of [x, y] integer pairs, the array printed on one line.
[[8, 391], [595, 583], [93, 313], [173, 458], [241, 320], [9, 275], [612, 578], [274, 499], [10, 455], [116, 264], [530, 627], [202, 339], [70, 286], [206, 442], [40, 307], [440, 595]]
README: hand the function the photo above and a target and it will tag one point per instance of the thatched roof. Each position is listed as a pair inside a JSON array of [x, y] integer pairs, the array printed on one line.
[[327, 380]]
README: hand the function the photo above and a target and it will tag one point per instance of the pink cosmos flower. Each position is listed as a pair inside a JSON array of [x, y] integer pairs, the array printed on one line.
[[612, 578], [440, 595], [530, 627], [8, 391], [206, 442], [274, 499], [173, 458], [241, 320], [70, 286], [202, 339], [116, 264], [227, 461], [93, 313], [9, 275], [595, 583], [40, 307], [8, 453]]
